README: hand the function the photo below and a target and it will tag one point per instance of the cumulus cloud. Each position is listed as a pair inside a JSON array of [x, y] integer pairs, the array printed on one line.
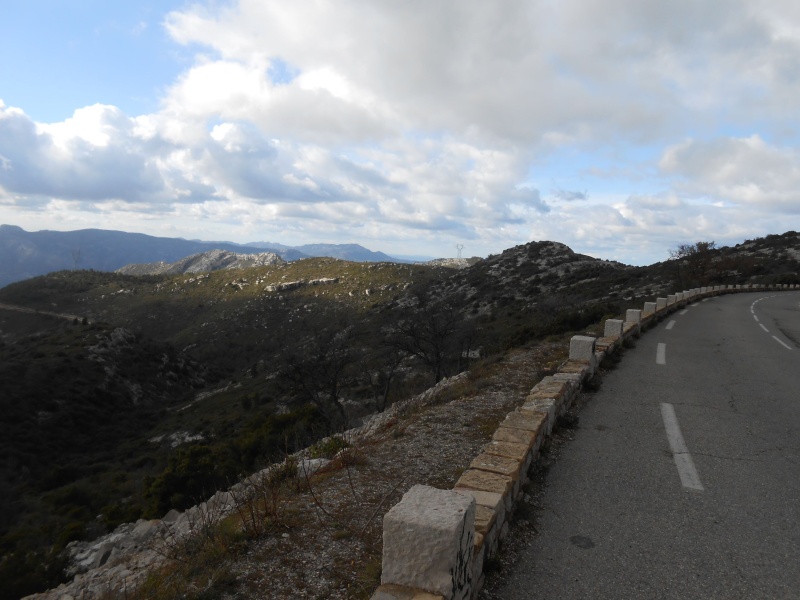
[[91, 156], [397, 120], [738, 170]]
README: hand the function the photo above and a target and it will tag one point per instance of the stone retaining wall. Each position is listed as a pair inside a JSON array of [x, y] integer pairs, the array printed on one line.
[[435, 541]]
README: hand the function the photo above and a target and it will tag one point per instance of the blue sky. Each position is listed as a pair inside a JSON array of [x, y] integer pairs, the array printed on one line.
[[619, 127], [59, 55]]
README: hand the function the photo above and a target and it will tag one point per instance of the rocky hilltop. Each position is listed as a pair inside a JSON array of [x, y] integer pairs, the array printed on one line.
[[213, 260], [453, 263]]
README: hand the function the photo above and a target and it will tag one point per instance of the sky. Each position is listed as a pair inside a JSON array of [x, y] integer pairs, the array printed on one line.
[[621, 128]]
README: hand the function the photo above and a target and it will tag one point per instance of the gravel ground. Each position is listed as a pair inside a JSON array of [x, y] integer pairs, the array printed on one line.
[[331, 546]]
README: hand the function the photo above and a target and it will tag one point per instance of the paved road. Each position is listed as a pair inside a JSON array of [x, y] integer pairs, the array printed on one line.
[[33, 311], [710, 509]]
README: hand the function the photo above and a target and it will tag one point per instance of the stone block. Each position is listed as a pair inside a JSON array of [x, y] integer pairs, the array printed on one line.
[[497, 464], [649, 309], [510, 449], [661, 303], [476, 479], [428, 540], [613, 328], [581, 347], [479, 539], [606, 344], [569, 377], [633, 315], [484, 519], [546, 406], [528, 422], [492, 500], [399, 592], [549, 389], [671, 299], [580, 369]]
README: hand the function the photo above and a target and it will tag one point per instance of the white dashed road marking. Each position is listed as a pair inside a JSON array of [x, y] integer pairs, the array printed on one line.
[[670, 325], [661, 354], [753, 311], [680, 453], [784, 344]]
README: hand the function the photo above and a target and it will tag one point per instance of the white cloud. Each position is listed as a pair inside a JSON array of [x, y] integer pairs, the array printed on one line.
[[91, 156], [435, 121], [738, 170]]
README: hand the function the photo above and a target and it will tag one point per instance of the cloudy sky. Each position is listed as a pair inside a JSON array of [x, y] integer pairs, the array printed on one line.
[[619, 127]]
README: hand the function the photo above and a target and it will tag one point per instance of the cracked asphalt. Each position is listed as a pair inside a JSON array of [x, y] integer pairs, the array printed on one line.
[[615, 519]]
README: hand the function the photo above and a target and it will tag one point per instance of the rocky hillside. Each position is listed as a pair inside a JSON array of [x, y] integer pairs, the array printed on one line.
[[453, 263], [188, 380], [213, 260]]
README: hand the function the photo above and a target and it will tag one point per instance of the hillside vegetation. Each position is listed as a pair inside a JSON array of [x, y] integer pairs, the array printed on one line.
[[168, 387]]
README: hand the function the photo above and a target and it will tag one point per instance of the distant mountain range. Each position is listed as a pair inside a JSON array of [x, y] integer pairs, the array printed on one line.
[[352, 252], [25, 254]]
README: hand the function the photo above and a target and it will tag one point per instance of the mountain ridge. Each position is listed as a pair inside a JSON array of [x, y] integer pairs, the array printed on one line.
[[212, 260], [25, 254]]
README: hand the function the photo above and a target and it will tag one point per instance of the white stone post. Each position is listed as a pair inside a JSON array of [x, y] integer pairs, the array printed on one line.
[[428, 542], [633, 315], [613, 328], [581, 349]]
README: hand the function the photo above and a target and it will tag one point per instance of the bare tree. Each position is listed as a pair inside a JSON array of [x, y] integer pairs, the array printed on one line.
[[317, 368], [694, 262], [379, 369], [431, 334]]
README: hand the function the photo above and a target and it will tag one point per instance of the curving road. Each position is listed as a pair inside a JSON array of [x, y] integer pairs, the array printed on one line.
[[684, 478], [32, 311]]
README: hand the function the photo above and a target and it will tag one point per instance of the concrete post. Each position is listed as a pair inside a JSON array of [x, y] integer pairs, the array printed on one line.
[[613, 328], [633, 315], [649, 309], [661, 303], [428, 542], [671, 299], [581, 347]]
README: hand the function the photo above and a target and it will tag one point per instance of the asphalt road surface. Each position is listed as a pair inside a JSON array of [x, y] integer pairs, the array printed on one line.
[[683, 480]]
